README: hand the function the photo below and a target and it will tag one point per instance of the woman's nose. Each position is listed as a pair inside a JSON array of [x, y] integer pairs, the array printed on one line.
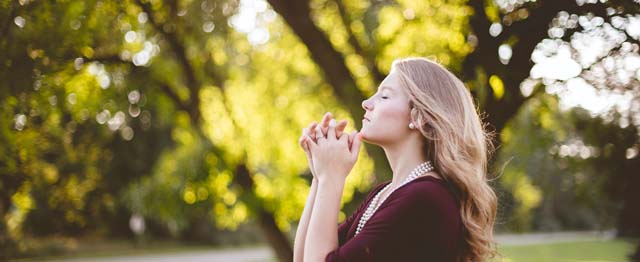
[[365, 105]]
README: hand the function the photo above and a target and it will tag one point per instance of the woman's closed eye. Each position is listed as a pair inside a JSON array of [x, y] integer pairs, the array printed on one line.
[[382, 95]]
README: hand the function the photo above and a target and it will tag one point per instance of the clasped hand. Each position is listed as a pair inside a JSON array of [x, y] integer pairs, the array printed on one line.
[[331, 153]]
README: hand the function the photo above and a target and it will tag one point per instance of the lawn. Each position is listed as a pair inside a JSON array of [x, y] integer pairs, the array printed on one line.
[[578, 251], [588, 250]]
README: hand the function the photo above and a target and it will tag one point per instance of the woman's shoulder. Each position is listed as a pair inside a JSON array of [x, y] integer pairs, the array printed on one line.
[[427, 188], [423, 197]]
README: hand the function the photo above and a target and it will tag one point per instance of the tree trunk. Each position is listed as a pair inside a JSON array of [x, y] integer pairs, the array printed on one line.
[[7, 244], [266, 220], [635, 257], [278, 241], [297, 14]]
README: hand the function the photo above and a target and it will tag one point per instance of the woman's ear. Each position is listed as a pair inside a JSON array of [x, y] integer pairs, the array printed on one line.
[[413, 115]]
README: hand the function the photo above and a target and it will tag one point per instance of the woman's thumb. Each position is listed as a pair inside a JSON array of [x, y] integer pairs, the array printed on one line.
[[310, 144], [355, 146]]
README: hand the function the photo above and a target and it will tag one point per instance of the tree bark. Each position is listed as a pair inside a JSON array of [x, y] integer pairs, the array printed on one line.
[[297, 14], [529, 32], [243, 177], [266, 220], [8, 186]]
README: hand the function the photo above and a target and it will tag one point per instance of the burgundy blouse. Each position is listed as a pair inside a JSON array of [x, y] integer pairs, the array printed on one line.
[[418, 222]]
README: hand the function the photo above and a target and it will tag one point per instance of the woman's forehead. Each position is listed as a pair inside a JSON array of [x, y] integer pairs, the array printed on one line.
[[390, 82]]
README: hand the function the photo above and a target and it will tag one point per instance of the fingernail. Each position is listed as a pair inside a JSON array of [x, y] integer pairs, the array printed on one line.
[[332, 123]]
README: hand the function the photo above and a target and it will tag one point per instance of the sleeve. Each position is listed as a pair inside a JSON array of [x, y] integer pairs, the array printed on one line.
[[400, 226], [343, 228]]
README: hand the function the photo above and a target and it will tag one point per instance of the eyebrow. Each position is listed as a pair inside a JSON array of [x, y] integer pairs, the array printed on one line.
[[385, 87]]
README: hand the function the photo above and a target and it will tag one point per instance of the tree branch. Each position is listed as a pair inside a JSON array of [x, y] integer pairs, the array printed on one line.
[[527, 33], [368, 57], [115, 59], [297, 14], [9, 21], [174, 96], [242, 174], [192, 83]]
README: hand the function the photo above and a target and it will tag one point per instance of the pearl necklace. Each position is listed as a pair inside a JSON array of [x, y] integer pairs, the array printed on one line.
[[419, 171]]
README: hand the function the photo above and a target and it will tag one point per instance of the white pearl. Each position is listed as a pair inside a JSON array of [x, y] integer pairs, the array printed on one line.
[[374, 205]]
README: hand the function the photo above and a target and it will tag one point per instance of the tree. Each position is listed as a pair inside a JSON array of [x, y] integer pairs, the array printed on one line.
[[178, 85], [503, 36], [210, 81]]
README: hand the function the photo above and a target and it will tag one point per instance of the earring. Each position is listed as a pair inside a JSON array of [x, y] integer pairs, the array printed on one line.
[[412, 126]]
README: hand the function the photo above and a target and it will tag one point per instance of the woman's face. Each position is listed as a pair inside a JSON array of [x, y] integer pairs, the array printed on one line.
[[387, 113]]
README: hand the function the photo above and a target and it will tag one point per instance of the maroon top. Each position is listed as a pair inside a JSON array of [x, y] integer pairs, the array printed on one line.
[[418, 222]]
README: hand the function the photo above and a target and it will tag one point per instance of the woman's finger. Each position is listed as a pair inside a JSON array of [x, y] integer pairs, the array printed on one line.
[[351, 137], [324, 124], [305, 146], [311, 145], [304, 134], [344, 138], [319, 134], [311, 128], [331, 132], [340, 127], [307, 151], [355, 148]]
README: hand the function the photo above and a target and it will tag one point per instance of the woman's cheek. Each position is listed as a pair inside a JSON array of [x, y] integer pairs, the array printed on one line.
[[395, 114]]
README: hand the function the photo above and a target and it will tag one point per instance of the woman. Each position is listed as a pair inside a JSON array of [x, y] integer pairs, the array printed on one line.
[[437, 207]]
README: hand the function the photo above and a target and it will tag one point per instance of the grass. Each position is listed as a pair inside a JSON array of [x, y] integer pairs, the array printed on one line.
[[575, 251], [59, 248], [578, 251]]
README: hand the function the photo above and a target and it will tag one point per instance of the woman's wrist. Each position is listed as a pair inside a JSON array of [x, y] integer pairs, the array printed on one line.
[[331, 181]]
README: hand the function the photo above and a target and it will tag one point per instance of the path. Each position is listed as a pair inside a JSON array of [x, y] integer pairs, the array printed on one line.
[[256, 254]]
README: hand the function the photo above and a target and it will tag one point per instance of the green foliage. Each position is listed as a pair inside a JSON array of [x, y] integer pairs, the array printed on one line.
[[614, 250], [64, 121], [107, 111], [551, 169]]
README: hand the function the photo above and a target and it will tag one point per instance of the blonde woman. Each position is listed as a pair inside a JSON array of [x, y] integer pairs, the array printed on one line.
[[437, 207]]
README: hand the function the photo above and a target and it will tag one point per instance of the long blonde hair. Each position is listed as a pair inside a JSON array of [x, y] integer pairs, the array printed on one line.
[[457, 144]]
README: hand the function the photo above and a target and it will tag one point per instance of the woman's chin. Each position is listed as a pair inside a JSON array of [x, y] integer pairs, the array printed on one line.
[[364, 136], [367, 136]]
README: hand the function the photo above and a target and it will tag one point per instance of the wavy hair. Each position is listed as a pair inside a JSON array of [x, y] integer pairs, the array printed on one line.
[[457, 144]]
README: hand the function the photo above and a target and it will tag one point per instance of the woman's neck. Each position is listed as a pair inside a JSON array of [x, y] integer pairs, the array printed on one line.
[[403, 159]]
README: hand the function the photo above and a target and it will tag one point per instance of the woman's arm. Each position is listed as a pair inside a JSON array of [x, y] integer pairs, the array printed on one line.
[[301, 232], [333, 159], [322, 235], [308, 136]]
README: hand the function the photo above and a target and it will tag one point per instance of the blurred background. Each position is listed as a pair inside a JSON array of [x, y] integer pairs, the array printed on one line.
[[161, 126]]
